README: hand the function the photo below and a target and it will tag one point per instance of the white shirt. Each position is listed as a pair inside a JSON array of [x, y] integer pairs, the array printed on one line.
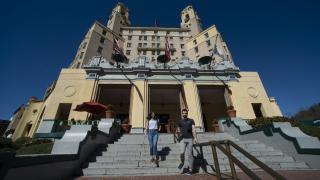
[[153, 124]]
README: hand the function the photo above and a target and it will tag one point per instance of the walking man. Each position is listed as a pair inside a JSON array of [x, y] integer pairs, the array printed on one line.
[[186, 130]]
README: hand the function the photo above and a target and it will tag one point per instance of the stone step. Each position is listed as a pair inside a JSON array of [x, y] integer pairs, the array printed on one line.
[[165, 169], [176, 154], [134, 159], [177, 150], [130, 156]]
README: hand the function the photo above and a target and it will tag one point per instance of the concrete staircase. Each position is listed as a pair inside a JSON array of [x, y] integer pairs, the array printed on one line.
[[130, 156]]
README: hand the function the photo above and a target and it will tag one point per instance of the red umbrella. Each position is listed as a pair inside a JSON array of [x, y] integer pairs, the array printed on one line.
[[91, 107]]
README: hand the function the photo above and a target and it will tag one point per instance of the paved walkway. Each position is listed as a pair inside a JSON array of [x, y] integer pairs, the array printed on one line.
[[292, 175]]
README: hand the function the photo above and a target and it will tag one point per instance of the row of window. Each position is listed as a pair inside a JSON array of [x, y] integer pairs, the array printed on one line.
[[155, 32], [153, 38], [128, 52], [140, 45], [206, 36], [196, 49]]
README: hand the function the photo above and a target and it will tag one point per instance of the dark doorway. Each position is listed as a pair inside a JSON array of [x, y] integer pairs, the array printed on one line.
[[63, 111], [257, 109], [164, 101], [213, 104], [117, 95]]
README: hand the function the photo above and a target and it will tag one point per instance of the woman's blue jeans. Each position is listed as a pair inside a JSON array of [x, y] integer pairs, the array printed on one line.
[[153, 141]]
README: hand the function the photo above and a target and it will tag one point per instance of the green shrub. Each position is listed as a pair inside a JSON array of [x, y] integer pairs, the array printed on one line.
[[6, 145], [44, 148], [22, 141], [39, 141], [311, 130], [266, 121]]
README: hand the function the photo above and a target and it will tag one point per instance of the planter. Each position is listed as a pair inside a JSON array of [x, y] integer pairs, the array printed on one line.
[[126, 128], [232, 113], [109, 114], [168, 130], [215, 128]]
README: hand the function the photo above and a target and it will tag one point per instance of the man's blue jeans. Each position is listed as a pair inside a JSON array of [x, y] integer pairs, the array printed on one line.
[[153, 141]]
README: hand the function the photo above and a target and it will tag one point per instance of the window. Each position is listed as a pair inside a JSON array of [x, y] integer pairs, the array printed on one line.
[[196, 49], [128, 52], [129, 38], [140, 45], [257, 109], [156, 32], [63, 111], [144, 44], [168, 32], [102, 39], [153, 38], [194, 41], [128, 44], [158, 52], [145, 38], [139, 52], [153, 52], [84, 45], [144, 52], [183, 53], [206, 35], [99, 50], [208, 43], [153, 45], [81, 55], [182, 46], [130, 31], [181, 38], [158, 45], [171, 45], [140, 38], [171, 38], [143, 32], [158, 38], [104, 32]]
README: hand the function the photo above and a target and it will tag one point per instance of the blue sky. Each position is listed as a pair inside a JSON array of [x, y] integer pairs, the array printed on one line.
[[279, 39]]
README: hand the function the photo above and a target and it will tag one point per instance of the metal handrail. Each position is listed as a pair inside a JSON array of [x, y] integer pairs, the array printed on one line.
[[234, 160]]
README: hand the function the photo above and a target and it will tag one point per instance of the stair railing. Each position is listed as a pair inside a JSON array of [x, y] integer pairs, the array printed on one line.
[[234, 160]]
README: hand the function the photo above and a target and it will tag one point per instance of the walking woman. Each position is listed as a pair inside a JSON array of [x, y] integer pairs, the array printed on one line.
[[152, 128]]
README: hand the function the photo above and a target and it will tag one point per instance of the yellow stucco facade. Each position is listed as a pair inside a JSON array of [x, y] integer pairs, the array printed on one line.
[[143, 84]]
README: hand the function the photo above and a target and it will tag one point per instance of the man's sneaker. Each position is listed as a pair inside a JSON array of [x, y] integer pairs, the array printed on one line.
[[186, 171], [180, 166]]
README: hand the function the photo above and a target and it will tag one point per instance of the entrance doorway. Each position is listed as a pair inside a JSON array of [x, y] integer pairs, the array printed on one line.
[[257, 109], [213, 104], [165, 102], [118, 95]]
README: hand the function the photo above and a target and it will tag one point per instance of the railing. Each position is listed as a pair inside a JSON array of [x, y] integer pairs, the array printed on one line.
[[233, 160]]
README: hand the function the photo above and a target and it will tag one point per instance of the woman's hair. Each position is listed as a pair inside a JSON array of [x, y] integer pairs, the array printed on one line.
[[149, 116]]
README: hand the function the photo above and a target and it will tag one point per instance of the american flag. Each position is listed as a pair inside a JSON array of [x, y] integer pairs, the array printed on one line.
[[116, 47], [167, 51]]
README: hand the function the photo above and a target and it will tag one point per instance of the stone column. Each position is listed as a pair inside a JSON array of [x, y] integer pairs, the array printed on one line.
[[193, 101], [138, 105]]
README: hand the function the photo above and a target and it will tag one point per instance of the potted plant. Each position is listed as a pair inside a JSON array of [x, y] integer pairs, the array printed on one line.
[[231, 111], [215, 126], [110, 111], [125, 126]]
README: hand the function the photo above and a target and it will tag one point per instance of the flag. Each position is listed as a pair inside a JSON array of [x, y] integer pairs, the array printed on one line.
[[167, 50], [116, 47]]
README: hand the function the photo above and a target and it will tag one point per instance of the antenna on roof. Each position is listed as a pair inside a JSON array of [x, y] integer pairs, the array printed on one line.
[[155, 23]]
